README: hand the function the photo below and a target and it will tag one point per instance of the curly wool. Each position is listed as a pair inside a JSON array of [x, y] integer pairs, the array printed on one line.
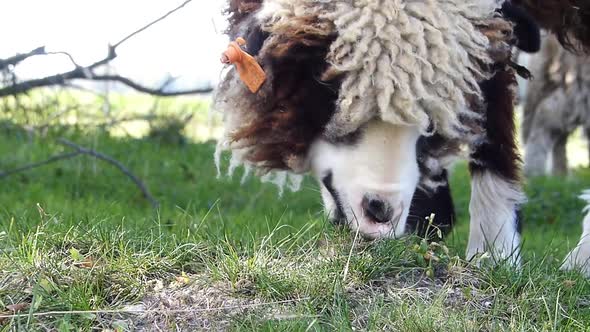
[[407, 62]]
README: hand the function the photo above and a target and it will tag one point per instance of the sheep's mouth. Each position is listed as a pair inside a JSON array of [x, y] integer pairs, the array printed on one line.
[[389, 222], [376, 227], [374, 220]]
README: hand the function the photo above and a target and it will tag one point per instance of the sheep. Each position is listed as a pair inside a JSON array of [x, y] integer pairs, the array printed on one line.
[[568, 21], [557, 102], [376, 99]]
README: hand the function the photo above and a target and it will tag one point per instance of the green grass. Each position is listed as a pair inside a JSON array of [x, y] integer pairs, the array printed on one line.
[[77, 235]]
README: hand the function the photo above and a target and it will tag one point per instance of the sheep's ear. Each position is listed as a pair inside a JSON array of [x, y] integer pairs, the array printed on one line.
[[255, 39], [526, 31]]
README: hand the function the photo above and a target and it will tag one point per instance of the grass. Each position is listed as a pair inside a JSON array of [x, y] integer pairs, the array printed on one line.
[[78, 236]]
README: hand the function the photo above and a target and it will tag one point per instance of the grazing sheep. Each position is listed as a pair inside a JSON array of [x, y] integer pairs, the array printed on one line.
[[557, 103], [376, 98], [569, 23]]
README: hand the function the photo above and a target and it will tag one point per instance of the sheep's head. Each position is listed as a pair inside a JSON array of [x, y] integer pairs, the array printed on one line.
[[351, 87], [368, 179]]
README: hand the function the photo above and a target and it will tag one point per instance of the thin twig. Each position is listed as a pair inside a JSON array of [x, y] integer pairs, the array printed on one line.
[[67, 55], [156, 92], [52, 159], [131, 35], [115, 163], [79, 151], [137, 311]]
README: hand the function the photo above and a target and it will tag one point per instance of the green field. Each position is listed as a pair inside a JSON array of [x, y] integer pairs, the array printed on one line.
[[81, 249]]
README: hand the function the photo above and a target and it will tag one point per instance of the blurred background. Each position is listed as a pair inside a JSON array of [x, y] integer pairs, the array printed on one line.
[[106, 116]]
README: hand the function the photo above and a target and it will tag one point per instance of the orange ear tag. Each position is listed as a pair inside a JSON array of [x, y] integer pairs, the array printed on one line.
[[248, 68]]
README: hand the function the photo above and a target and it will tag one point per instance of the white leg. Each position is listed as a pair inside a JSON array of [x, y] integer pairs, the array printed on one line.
[[493, 229], [579, 257]]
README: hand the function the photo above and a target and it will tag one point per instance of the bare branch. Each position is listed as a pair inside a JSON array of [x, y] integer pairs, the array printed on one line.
[[66, 54], [156, 92], [79, 150], [52, 159], [13, 60], [82, 150], [81, 73], [59, 79]]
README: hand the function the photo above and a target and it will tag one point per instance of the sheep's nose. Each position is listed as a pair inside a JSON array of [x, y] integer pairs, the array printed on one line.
[[377, 209]]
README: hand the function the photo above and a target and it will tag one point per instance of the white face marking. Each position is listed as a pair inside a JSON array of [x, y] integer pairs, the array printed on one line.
[[373, 179]]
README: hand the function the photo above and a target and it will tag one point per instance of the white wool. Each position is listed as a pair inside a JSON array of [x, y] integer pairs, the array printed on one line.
[[226, 100], [282, 179], [406, 61], [492, 228]]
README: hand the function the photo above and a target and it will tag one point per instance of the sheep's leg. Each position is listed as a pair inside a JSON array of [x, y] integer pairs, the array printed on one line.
[[579, 257], [495, 218], [559, 156], [587, 132], [537, 149], [496, 192], [548, 131]]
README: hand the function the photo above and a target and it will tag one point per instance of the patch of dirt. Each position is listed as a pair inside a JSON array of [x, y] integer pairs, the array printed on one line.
[[195, 303], [192, 303], [457, 289]]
